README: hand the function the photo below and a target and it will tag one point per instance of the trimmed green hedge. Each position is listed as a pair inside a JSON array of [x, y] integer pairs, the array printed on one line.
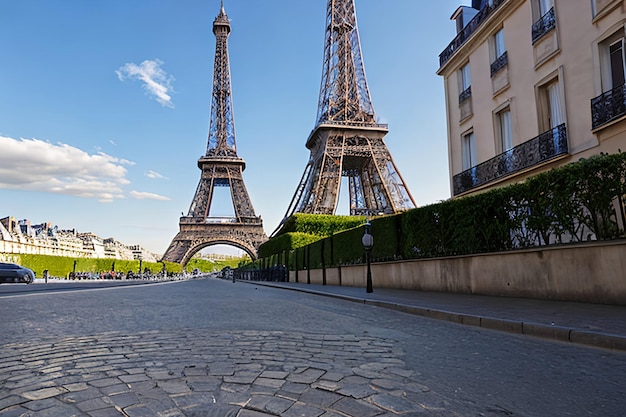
[[301, 230], [286, 242], [468, 225], [59, 266], [577, 202], [322, 225]]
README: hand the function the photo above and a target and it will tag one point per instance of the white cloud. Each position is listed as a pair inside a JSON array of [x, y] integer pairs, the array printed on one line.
[[155, 81], [139, 195], [155, 175], [35, 165]]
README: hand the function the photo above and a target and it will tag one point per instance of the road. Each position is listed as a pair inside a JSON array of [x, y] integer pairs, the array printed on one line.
[[211, 347]]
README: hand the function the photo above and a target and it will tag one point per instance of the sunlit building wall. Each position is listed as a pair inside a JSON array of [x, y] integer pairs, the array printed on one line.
[[21, 237], [530, 85]]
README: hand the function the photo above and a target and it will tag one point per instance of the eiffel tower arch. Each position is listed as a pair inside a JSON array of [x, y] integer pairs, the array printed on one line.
[[347, 142], [221, 167]]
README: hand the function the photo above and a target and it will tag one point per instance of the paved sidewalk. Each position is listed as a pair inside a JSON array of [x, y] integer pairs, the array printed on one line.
[[596, 325]]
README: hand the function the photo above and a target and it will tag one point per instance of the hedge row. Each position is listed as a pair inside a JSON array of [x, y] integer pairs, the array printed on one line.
[[578, 202], [304, 229], [59, 266], [286, 242], [322, 225]]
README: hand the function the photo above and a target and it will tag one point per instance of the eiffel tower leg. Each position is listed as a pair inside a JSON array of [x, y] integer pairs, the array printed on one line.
[[355, 194], [303, 191], [327, 191], [375, 193], [201, 202], [397, 193], [178, 249], [241, 199]]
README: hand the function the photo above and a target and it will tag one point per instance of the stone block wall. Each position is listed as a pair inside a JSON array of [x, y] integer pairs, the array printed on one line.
[[592, 272]]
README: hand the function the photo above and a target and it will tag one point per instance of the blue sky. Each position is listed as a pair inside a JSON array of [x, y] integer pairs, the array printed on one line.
[[104, 105]]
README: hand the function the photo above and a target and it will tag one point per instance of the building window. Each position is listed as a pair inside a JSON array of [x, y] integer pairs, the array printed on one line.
[[555, 113], [594, 12], [611, 104], [499, 55], [550, 102], [600, 8], [505, 129], [499, 43], [468, 145], [550, 108], [545, 6], [544, 18], [465, 83], [616, 58], [612, 53]]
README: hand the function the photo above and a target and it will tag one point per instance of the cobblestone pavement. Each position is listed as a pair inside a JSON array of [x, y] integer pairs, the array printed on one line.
[[221, 374]]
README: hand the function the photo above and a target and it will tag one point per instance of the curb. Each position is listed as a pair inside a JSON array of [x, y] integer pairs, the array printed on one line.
[[540, 330]]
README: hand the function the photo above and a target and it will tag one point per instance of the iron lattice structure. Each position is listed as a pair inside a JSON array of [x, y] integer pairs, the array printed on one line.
[[347, 141], [221, 167]]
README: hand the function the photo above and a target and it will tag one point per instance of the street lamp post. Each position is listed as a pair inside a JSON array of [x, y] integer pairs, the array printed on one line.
[[368, 243]]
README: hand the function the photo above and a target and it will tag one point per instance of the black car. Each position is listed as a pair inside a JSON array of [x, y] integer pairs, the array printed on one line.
[[15, 273]]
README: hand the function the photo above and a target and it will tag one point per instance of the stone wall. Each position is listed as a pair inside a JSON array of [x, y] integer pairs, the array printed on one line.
[[591, 272]]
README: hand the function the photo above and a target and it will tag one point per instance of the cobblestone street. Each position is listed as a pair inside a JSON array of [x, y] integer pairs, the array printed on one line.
[[243, 374], [214, 348]]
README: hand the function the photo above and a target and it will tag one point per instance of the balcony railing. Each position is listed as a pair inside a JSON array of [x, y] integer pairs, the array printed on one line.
[[538, 150], [608, 106], [498, 64], [465, 94], [544, 25], [468, 30]]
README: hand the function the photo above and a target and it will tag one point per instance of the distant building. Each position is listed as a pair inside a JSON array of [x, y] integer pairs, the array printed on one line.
[[4, 233], [223, 257], [117, 250], [531, 85], [93, 243], [21, 237], [140, 253]]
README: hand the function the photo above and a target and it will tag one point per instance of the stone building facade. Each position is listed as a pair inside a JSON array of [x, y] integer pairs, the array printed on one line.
[[22, 237], [531, 85]]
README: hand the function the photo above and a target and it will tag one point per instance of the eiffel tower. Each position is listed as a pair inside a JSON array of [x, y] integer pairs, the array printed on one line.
[[221, 167], [347, 141]]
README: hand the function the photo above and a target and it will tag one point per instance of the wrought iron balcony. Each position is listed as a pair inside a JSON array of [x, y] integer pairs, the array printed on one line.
[[498, 64], [608, 106], [544, 25], [538, 150], [468, 30], [465, 94]]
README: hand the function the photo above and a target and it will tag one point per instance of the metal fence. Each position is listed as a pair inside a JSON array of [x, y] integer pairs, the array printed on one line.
[[278, 273]]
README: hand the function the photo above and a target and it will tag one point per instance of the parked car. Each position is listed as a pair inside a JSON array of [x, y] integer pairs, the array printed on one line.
[[15, 273]]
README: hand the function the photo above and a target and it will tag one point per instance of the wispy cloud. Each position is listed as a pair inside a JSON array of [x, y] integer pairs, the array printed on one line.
[[155, 175], [156, 81], [139, 195], [35, 165]]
